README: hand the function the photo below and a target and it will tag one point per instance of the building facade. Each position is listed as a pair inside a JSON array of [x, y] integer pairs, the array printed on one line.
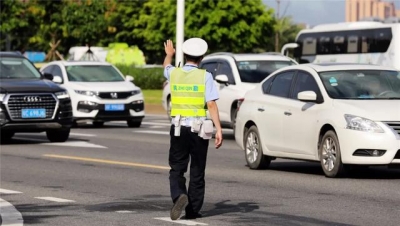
[[360, 9]]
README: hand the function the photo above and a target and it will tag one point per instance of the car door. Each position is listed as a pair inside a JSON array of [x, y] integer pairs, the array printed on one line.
[[271, 109], [301, 118], [227, 93]]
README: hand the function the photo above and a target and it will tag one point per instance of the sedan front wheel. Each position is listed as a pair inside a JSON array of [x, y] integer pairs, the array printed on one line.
[[330, 155]]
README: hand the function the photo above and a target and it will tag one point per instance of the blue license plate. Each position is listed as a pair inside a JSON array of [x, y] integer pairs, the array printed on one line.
[[114, 107], [33, 113]]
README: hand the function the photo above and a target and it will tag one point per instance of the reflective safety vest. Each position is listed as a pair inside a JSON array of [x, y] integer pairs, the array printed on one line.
[[188, 92]]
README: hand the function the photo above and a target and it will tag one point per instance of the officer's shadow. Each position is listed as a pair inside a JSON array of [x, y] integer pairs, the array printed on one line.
[[222, 208]]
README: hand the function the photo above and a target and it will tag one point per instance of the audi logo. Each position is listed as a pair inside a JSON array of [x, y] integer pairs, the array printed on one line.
[[32, 99]]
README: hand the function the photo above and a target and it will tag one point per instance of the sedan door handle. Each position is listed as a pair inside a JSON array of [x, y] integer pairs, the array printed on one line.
[[287, 113], [261, 109]]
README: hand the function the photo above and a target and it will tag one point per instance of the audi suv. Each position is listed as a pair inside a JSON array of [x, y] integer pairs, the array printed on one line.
[[30, 101]]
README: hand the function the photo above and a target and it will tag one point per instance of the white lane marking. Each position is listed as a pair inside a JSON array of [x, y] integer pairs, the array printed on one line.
[[53, 199], [152, 132], [76, 144], [125, 211], [10, 216], [5, 191], [83, 144], [83, 134], [185, 222]]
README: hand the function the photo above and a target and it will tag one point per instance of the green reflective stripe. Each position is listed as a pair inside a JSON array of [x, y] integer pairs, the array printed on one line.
[[189, 112], [187, 88], [188, 92], [183, 94], [188, 100]]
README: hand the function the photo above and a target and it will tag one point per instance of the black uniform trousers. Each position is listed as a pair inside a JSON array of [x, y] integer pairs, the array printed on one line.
[[184, 147]]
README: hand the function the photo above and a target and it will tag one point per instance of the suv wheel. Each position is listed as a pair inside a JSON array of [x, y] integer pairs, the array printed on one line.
[[60, 135], [134, 123]]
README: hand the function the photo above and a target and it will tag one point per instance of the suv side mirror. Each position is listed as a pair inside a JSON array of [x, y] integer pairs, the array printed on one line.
[[307, 96], [57, 79], [222, 79], [129, 78], [48, 76]]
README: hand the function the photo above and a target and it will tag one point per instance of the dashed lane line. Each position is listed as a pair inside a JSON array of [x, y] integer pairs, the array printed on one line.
[[5, 191], [54, 199], [10, 216], [184, 222]]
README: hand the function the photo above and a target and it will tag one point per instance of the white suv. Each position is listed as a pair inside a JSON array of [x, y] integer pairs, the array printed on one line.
[[235, 74], [99, 92]]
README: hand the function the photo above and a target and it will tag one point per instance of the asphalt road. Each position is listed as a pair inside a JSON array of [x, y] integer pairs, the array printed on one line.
[[117, 175]]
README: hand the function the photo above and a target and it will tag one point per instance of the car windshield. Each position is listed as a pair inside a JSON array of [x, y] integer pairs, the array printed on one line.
[[93, 73], [362, 84], [256, 71], [17, 68]]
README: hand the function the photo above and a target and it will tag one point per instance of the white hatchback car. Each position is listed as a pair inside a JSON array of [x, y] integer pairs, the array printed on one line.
[[234, 75], [339, 114], [99, 92]]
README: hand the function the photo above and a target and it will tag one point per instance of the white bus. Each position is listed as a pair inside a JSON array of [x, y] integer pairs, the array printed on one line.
[[364, 42]]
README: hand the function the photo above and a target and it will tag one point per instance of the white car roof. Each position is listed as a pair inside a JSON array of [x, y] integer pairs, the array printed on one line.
[[249, 56], [74, 63], [339, 66]]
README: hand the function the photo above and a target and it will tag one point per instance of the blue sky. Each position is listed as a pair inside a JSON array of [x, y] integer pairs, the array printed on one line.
[[314, 12]]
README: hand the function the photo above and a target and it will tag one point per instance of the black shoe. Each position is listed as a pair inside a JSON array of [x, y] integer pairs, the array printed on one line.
[[179, 205], [192, 216]]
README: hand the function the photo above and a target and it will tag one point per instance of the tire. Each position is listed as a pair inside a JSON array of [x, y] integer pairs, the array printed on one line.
[[60, 135], [254, 155], [169, 108], [134, 124], [330, 155], [98, 123], [6, 136]]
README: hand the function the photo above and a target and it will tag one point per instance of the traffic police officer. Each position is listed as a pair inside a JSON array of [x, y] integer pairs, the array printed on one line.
[[193, 91]]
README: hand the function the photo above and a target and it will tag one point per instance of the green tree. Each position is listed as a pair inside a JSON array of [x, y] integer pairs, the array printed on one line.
[[234, 26], [86, 21], [20, 21], [286, 30]]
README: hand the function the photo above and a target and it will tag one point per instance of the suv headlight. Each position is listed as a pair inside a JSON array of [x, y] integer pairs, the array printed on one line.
[[62, 95], [134, 92], [85, 92], [2, 95], [362, 124]]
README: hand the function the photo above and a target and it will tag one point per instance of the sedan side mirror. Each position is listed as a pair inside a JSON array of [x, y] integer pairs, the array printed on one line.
[[129, 78], [57, 79], [48, 76], [307, 96], [222, 79]]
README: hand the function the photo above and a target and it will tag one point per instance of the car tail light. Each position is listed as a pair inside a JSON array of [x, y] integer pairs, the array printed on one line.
[[240, 101]]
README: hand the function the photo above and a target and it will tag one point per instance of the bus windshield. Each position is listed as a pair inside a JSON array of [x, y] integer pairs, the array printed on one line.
[[362, 84]]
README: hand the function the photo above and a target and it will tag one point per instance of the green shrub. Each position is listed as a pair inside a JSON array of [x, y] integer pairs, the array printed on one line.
[[145, 78]]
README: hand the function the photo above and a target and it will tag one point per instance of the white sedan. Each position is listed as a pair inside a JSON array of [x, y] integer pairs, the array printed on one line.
[[338, 114]]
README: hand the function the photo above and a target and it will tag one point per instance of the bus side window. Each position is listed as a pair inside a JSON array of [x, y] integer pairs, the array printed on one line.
[[309, 46], [339, 45], [324, 45], [352, 45]]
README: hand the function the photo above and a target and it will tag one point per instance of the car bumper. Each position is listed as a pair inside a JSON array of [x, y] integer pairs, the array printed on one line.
[[356, 147], [92, 110]]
